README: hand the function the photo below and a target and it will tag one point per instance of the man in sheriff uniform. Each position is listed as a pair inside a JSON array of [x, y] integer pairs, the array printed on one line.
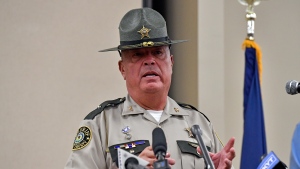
[[127, 123]]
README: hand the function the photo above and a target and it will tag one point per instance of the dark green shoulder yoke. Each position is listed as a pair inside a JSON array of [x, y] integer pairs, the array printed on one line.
[[102, 106], [191, 107]]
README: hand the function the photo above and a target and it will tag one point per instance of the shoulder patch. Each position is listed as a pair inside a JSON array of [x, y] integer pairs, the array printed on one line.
[[191, 107], [83, 138], [102, 106]]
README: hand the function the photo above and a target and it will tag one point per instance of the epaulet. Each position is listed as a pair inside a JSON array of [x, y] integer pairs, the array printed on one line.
[[193, 108], [102, 106]]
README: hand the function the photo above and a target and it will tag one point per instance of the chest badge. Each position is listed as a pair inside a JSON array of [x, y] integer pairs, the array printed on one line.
[[126, 131], [189, 132]]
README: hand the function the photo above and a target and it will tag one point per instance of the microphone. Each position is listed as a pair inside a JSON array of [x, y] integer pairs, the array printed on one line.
[[292, 87], [159, 145], [271, 161], [197, 133], [133, 163], [127, 160]]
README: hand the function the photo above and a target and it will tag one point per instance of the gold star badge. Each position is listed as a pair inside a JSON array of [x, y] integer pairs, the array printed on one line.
[[144, 32]]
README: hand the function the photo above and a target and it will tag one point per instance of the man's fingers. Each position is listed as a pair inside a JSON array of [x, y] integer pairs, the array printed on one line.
[[228, 164], [231, 154], [199, 150], [214, 156], [171, 161], [149, 152], [148, 155], [149, 148], [229, 144]]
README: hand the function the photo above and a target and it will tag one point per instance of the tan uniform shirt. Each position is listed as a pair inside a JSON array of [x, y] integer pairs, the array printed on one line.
[[105, 130]]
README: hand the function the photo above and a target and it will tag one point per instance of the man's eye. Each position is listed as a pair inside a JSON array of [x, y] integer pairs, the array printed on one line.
[[137, 55], [158, 52]]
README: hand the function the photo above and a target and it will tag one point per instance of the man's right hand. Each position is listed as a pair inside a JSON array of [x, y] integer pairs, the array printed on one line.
[[148, 155]]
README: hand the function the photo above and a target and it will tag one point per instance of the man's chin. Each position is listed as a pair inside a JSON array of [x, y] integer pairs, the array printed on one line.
[[152, 88]]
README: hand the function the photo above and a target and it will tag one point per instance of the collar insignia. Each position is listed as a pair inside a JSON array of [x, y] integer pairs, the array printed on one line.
[[144, 32]]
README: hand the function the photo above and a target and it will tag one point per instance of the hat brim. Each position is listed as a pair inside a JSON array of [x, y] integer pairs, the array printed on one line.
[[126, 47]]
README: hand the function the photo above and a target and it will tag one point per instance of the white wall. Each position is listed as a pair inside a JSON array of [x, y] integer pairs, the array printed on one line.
[[52, 74], [211, 73]]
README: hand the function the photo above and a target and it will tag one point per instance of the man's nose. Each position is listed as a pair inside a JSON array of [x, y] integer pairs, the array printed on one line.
[[149, 60]]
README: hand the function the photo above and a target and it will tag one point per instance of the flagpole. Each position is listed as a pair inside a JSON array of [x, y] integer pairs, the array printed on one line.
[[254, 144]]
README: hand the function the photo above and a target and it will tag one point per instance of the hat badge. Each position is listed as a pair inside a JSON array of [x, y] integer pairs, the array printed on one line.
[[144, 32]]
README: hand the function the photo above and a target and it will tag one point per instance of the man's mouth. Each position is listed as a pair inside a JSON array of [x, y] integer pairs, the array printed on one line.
[[150, 74]]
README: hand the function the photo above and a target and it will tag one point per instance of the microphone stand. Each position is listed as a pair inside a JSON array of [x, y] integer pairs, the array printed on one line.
[[197, 133]]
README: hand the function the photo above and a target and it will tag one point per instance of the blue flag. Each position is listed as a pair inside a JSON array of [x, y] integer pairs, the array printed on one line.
[[295, 150], [254, 139]]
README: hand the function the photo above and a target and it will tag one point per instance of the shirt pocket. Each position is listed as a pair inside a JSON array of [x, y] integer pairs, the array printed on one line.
[[189, 155], [133, 147]]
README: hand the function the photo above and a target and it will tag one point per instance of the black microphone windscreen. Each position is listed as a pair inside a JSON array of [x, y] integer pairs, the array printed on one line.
[[159, 141]]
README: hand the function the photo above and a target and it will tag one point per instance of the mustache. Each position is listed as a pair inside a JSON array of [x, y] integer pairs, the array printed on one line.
[[151, 70]]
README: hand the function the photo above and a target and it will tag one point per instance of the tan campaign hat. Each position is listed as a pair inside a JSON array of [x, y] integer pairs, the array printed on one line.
[[143, 27]]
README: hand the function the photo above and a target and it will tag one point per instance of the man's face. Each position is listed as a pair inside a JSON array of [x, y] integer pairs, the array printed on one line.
[[147, 70]]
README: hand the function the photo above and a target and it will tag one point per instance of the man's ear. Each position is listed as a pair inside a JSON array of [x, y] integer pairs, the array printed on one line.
[[122, 69], [172, 59]]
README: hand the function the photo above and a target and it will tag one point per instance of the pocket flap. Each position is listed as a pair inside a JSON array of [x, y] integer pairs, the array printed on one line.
[[133, 147], [189, 147]]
